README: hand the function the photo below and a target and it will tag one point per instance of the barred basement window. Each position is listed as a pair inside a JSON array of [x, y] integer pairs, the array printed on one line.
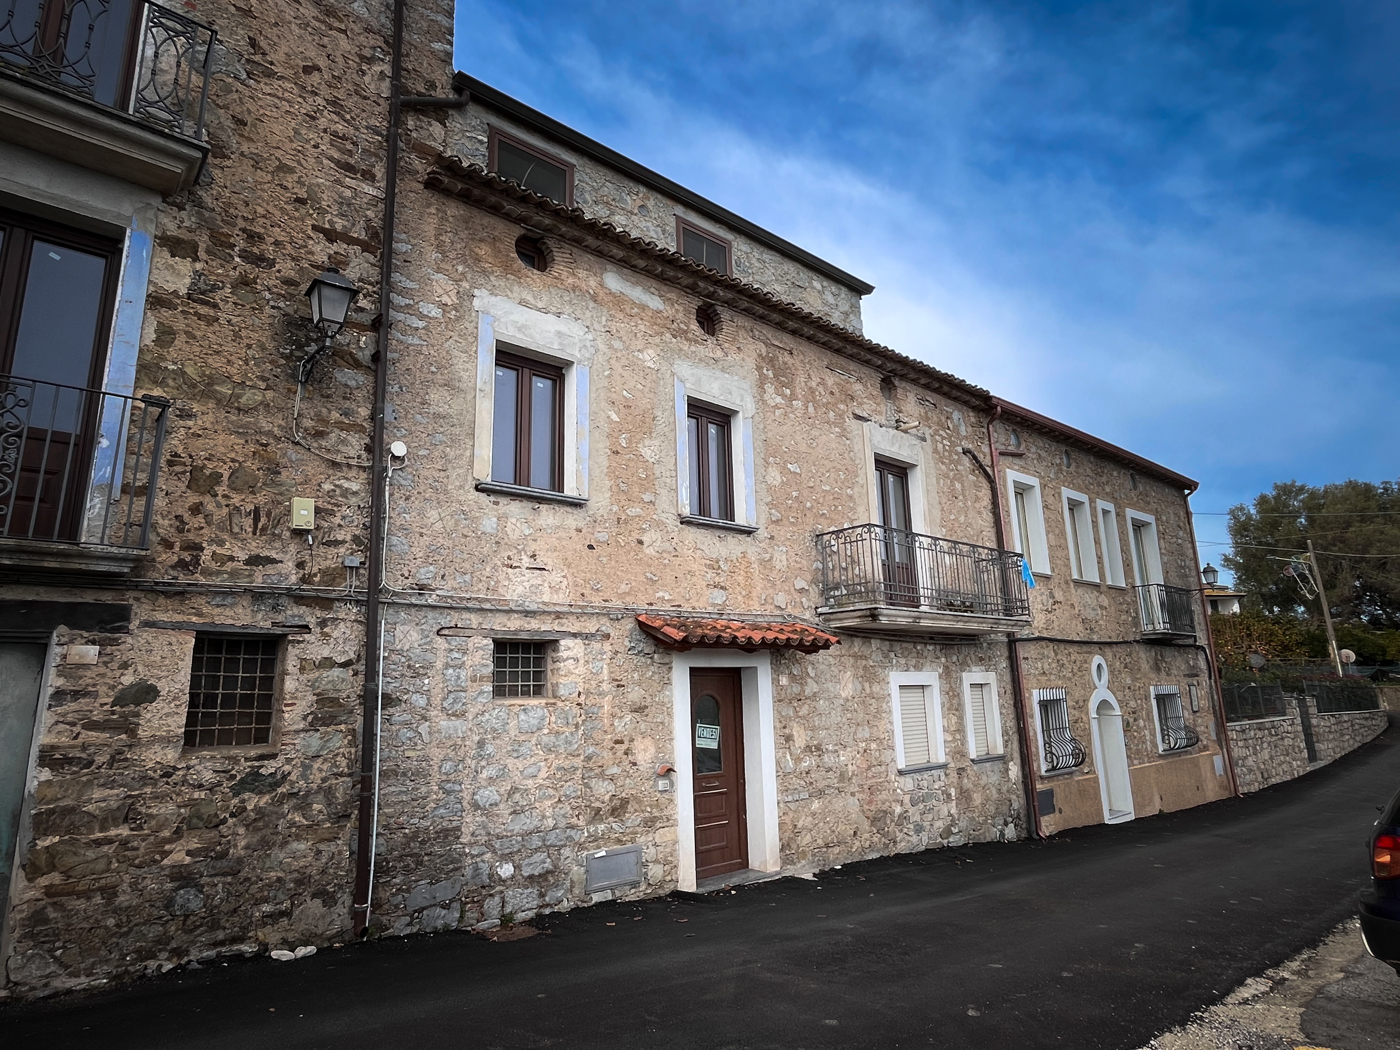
[[1173, 734], [233, 683], [521, 669]]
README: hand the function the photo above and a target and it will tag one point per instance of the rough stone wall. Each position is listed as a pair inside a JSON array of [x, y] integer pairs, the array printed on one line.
[[1268, 751], [140, 853], [647, 213], [1336, 734]]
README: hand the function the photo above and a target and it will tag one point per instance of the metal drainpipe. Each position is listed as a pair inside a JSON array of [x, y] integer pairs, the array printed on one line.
[[1214, 667], [1013, 644], [374, 568]]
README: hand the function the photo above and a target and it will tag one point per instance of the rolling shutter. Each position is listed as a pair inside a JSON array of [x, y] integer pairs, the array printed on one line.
[[977, 712], [914, 727]]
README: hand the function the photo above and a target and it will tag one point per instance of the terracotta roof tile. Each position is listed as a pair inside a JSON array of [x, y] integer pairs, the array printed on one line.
[[687, 632]]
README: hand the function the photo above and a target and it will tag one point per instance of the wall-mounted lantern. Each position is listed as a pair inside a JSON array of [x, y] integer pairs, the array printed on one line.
[[331, 294], [1210, 574]]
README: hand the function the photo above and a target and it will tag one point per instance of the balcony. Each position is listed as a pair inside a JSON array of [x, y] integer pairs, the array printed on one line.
[[888, 581], [78, 476], [118, 86], [1167, 612]]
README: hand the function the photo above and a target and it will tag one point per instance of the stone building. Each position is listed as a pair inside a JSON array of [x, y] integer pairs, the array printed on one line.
[[684, 580]]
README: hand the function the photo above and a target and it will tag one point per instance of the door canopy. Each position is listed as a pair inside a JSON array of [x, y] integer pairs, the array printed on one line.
[[683, 633]]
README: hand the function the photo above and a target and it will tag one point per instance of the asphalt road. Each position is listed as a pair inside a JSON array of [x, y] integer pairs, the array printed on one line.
[[1103, 937]]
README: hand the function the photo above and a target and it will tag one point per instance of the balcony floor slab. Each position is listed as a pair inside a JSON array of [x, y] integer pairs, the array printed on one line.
[[917, 622]]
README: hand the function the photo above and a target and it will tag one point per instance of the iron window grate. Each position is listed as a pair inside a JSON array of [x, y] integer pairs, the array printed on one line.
[[1171, 719], [1062, 750], [233, 683], [522, 669]]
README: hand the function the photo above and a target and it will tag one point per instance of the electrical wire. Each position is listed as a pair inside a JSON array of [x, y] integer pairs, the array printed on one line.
[[296, 436]]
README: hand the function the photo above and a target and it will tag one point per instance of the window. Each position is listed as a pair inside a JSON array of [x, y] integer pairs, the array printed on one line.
[[526, 446], [711, 462], [1059, 750], [233, 680], [531, 251], [983, 715], [1112, 550], [531, 167], [918, 719], [707, 317], [57, 294], [1028, 521], [1147, 557], [521, 669], [1173, 734], [705, 248], [1079, 532]]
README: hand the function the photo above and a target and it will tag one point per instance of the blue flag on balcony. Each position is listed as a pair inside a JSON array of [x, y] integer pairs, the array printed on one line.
[[1026, 574]]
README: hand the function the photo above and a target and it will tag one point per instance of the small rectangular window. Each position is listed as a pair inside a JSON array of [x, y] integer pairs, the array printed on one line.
[[983, 717], [1173, 734], [705, 248], [1079, 532], [521, 669], [531, 167], [528, 424], [1059, 748], [918, 736], [233, 684], [711, 470]]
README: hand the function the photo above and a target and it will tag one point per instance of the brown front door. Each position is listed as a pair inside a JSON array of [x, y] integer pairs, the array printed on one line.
[[717, 743]]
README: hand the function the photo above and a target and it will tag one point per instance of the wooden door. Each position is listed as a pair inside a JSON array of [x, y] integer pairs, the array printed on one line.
[[717, 746], [898, 549]]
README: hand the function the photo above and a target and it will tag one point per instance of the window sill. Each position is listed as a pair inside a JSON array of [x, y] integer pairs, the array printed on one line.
[[932, 767], [717, 523], [1087, 583], [500, 488], [1048, 774], [989, 758]]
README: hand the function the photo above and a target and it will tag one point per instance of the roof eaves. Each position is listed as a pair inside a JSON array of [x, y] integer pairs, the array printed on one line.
[[1093, 444], [474, 184], [546, 125]]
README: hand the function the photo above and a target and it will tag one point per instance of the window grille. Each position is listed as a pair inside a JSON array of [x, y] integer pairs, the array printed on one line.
[[1173, 732], [233, 683], [522, 669], [1061, 749]]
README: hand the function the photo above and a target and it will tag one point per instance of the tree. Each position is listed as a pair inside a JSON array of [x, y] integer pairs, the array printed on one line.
[[1355, 527]]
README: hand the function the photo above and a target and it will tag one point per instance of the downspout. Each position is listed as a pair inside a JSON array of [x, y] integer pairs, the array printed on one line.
[[374, 568], [1212, 665], [1012, 643]]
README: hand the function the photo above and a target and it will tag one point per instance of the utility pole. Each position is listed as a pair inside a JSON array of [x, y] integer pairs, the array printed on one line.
[[1326, 611]]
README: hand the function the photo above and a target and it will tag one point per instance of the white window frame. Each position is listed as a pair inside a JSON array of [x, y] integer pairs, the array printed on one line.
[[933, 711], [1164, 690], [996, 742], [1083, 560], [1111, 544], [1038, 557], [559, 341], [1153, 553], [912, 454], [734, 395]]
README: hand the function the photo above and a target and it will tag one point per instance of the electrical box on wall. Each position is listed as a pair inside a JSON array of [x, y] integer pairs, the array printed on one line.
[[303, 513]]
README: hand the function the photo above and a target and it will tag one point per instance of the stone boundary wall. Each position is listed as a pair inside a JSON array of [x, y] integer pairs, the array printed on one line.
[[1268, 751], [1390, 696]]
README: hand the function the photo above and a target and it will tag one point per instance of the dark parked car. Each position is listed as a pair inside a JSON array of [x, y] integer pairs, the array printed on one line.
[[1380, 903]]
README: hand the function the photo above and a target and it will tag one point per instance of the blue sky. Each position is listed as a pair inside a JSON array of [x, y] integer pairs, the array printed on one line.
[[1176, 226]]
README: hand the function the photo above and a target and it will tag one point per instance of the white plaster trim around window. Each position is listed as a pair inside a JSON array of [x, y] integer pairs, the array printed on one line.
[[1038, 695], [698, 383], [1111, 544], [559, 340], [1084, 562], [911, 452], [933, 710], [1039, 554], [760, 758], [995, 742], [1153, 548]]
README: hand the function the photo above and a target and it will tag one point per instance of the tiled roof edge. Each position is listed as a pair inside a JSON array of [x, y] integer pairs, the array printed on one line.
[[474, 184]]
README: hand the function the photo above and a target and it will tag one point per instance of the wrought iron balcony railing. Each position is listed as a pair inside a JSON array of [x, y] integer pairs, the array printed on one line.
[[1167, 610], [1062, 750], [78, 466], [868, 565], [128, 55]]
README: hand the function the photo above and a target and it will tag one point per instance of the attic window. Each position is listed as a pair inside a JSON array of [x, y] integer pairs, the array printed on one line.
[[531, 251], [707, 317], [707, 249], [532, 168]]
